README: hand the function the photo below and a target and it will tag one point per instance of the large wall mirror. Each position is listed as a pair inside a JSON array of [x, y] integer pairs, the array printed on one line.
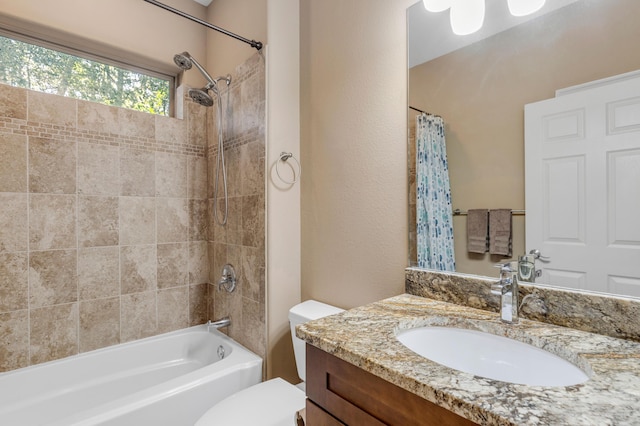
[[479, 84]]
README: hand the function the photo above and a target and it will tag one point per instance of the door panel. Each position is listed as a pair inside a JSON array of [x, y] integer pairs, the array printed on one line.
[[582, 179]]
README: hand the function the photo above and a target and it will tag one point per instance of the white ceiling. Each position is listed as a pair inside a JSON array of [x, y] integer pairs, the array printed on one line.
[[430, 34]]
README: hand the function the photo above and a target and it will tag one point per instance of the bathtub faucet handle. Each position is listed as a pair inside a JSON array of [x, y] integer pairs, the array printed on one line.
[[228, 279]]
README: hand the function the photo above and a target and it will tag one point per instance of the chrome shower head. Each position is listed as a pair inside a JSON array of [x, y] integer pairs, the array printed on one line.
[[201, 96], [183, 60]]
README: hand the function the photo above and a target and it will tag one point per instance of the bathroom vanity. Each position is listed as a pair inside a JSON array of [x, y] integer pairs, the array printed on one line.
[[359, 373]]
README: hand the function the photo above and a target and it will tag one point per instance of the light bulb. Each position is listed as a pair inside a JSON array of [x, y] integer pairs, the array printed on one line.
[[524, 7], [437, 5], [466, 16]]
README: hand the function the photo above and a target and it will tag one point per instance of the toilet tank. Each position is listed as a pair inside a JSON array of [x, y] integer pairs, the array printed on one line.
[[301, 313]]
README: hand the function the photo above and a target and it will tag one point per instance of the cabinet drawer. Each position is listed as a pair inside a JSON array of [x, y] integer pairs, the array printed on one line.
[[356, 397]]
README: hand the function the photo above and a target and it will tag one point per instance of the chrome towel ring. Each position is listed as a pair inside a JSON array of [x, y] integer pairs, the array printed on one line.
[[284, 156]]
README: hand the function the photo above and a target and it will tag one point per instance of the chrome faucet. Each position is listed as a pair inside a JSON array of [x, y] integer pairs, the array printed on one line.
[[507, 289], [222, 322]]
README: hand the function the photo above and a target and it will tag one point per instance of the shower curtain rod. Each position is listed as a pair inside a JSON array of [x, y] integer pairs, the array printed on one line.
[[255, 44]]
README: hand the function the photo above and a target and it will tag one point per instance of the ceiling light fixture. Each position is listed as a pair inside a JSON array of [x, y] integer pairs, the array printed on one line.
[[467, 16], [437, 5]]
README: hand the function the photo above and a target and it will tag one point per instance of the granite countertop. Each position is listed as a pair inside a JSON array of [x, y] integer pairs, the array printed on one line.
[[365, 337]]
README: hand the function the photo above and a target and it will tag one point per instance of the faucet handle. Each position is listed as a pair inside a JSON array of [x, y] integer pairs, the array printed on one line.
[[496, 288], [504, 266]]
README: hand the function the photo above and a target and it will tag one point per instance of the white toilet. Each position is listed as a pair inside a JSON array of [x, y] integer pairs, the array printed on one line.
[[274, 402]]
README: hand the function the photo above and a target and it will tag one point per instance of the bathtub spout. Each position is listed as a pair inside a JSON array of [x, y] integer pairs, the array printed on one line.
[[223, 322]]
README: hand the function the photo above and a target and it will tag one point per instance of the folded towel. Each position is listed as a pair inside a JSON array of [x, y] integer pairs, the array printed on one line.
[[477, 227], [500, 232]]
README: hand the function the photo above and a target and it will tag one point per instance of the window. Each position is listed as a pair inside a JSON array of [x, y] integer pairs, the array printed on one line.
[[52, 71]]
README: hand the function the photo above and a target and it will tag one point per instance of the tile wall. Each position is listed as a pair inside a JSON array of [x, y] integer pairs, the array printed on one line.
[[241, 242], [103, 230]]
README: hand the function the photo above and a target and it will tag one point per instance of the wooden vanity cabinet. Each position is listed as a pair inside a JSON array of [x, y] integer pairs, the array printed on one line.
[[339, 393]]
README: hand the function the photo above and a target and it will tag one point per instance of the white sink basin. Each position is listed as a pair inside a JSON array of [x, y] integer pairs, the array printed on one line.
[[494, 357]]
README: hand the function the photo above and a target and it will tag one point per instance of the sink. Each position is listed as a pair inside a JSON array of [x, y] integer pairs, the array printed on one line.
[[490, 356]]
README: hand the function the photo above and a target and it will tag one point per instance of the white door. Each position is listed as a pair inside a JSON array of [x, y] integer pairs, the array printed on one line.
[[582, 179]]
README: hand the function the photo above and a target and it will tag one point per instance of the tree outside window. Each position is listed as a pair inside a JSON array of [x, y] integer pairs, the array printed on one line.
[[50, 71]]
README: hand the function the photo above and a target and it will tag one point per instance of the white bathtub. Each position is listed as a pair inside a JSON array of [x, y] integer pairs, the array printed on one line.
[[170, 379]]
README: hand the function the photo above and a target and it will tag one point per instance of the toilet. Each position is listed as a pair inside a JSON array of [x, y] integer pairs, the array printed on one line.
[[274, 402]]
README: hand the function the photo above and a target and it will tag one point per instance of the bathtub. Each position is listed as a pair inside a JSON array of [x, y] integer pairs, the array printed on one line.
[[170, 379]]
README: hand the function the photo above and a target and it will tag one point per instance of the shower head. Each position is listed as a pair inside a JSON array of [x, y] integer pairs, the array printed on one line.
[[201, 96], [183, 60]]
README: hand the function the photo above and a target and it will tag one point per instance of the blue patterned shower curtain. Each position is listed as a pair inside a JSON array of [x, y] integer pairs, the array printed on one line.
[[433, 202]]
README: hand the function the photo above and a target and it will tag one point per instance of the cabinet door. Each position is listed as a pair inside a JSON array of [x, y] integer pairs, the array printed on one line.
[[356, 397], [316, 416]]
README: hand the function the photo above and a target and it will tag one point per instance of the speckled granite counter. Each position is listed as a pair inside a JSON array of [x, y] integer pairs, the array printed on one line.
[[365, 337]]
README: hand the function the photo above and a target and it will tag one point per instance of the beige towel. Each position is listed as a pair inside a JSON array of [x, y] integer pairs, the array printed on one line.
[[477, 227], [500, 232]]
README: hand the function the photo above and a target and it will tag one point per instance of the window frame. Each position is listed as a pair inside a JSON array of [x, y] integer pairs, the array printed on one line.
[[82, 48]]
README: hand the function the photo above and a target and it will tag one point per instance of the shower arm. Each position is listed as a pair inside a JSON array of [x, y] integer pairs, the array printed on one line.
[[255, 44]]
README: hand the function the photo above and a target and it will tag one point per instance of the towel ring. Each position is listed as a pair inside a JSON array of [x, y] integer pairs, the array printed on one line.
[[284, 156]]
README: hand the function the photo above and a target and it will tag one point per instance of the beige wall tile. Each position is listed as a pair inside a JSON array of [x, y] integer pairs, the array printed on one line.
[[169, 129], [46, 108], [52, 223], [173, 220], [197, 123], [53, 332], [252, 166], [253, 226], [198, 220], [99, 323], [52, 166], [197, 178], [229, 305], [217, 259], [234, 229], [136, 124], [98, 221], [253, 326], [53, 277], [14, 335], [98, 117], [198, 263], [14, 227], [252, 274], [13, 163], [172, 265], [98, 169], [13, 102], [198, 304], [138, 266], [171, 175], [139, 318], [173, 309], [14, 284], [98, 273], [137, 220], [137, 173], [234, 173]]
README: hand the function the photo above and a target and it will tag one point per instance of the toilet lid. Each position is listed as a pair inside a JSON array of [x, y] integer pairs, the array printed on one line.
[[270, 403]]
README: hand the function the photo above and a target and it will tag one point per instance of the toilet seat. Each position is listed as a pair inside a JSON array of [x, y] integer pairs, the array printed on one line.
[[270, 403]]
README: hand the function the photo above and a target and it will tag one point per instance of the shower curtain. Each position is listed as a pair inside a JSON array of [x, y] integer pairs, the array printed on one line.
[[433, 202]]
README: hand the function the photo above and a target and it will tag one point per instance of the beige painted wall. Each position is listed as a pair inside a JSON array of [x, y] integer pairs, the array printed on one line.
[[247, 18], [283, 200], [481, 92], [354, 132], [134, 31]]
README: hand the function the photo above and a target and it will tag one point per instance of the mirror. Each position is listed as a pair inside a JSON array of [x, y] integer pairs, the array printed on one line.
[[480, 84]]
